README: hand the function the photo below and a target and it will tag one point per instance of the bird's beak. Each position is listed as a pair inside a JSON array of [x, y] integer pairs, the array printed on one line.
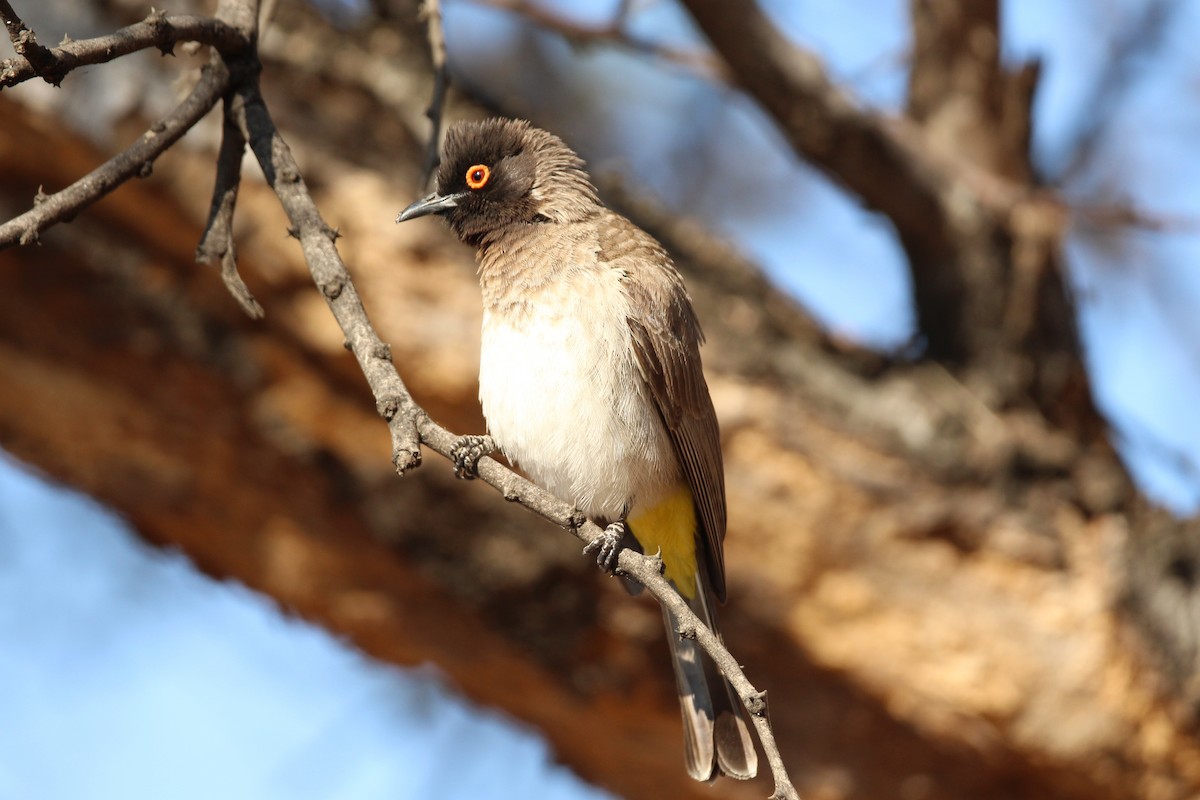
[[433, 204]]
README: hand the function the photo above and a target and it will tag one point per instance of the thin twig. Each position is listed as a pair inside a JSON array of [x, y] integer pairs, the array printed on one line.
[[1124, 64], [137, 159], [157, 30], [431, 10], [1128, 217], [217, 242], [615, 34], [40, 59]]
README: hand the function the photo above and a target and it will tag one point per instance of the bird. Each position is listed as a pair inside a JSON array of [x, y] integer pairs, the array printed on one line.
[[591, 382]]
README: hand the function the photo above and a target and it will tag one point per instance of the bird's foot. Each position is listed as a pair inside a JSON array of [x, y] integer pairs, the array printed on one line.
[[608, 546], [466, 452]]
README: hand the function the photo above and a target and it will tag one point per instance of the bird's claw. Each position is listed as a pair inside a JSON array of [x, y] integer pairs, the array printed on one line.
[[466, 452], [607, 547]]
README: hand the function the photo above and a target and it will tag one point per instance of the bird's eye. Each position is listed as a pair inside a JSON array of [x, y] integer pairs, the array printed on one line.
[[477, 176]]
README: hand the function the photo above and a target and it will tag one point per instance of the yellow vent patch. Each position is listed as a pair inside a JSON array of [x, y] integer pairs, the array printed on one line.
[[670, 527]]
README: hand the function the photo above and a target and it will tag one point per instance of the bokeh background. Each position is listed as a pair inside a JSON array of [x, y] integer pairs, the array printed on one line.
[[245, 601]]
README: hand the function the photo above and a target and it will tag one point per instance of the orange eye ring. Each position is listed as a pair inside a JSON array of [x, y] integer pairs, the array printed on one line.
[[478, 176]]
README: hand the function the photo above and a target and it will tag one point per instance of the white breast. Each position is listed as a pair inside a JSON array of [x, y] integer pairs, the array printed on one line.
[[563, 398]]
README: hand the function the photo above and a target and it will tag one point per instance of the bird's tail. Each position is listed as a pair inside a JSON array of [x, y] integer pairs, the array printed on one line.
[[716, 730]]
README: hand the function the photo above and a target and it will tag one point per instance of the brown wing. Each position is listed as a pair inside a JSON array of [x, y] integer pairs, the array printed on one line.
[[666, 341]]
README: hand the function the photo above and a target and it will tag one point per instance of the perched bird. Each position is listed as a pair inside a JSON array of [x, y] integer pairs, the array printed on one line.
[[590, 380]]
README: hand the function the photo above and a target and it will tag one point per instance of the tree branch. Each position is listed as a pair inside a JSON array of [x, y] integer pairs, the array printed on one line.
[[157, 30], [217, 242], [937, 205], [137, 159], [1137, 42], [960, 93], [614, 33], [876, 158], [998, 316], [432, 11], [41, 61]]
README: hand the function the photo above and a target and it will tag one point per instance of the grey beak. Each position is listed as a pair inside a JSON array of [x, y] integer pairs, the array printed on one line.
[[433, 204]]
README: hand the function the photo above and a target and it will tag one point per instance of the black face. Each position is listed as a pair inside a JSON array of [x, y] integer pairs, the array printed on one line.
[[502, 172], [489, 169]]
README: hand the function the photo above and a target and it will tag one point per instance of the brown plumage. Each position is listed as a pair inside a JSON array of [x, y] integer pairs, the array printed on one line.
[[591, 381]]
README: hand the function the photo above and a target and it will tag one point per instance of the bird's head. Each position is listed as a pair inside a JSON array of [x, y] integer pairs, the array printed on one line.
[[502, 172]]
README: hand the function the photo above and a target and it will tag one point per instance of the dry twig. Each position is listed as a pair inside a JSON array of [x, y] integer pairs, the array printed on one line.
[[40, 60], [616, 34], [137, 159], [217, 242], [431, 10], [157, 30]]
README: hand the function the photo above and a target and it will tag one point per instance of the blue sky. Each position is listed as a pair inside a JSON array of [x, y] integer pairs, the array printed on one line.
[[125, 673]]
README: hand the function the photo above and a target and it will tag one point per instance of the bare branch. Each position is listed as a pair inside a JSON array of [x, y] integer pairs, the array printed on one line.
[[961, 94], [157, 30], [948, 208], [1136, 42], [41, 61], [217, 242], [872, 156], [432, 11], [615, 34], [1129, 217], [883, 161], [137, 159]]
